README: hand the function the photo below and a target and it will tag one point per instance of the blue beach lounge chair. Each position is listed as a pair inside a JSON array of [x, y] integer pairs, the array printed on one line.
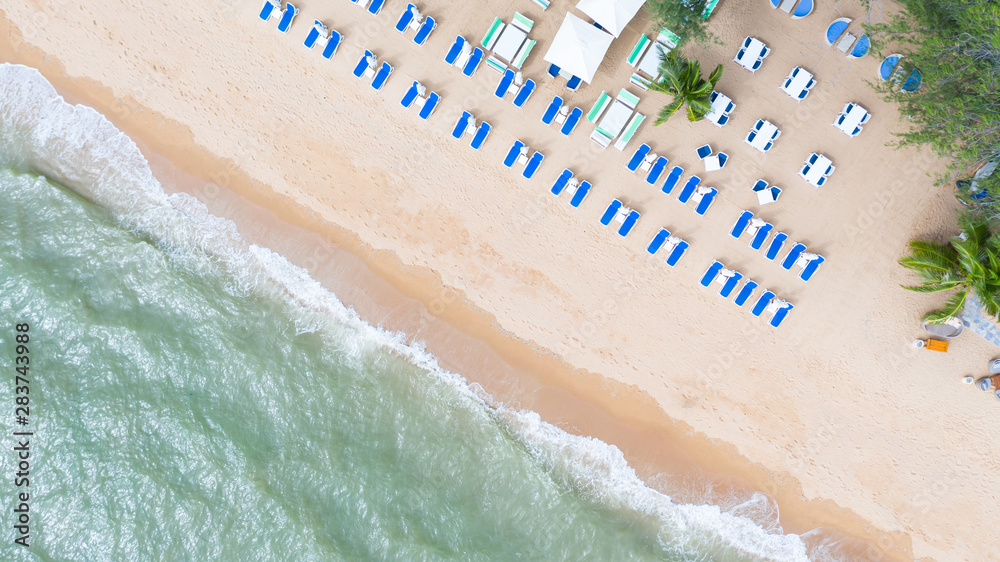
[[761, 235], [286, 17], [570, 125], [318, 28], [748, 288], [375, 7], [711, 273], [657, 242], [504, 85], [532, 166], [610, 212], [810, 268], [741, 224], [723, 158], [629, 223], [776, 243], [513, 153], [473, 64], [411, 95], [704, 152], [689, 188], [552, 110], [363, 64], [429, 106], [723, 120], [455, 50], [763, 300], [640, 153], [461, 126], [657, 170], [671, 181], [267, 10], [793, 255], [481, 133], [677, 253], [332, 44], [553, 70], [561, 181], [524, 93], [573, 84], [425, 30], [706, 202], [405, 18], [730, 285], [381, 76], [581, 194], [780, 314]]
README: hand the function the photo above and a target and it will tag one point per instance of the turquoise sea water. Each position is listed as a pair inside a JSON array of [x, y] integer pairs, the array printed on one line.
[[198, 398]]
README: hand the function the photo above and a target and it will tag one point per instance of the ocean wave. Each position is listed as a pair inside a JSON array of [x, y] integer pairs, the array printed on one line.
[[79, 148]]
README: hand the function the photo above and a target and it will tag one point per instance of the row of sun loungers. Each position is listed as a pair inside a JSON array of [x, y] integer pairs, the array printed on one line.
[[730, 279], [644, 160], [759, 230]]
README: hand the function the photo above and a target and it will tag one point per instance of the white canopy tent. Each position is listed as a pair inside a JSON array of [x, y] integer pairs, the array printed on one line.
[[578, 48], [613, 15]]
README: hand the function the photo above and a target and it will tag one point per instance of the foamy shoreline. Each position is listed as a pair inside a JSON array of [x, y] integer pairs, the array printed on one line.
[[670, 389]]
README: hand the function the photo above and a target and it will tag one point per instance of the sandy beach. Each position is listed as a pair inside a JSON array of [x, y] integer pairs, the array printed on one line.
[[835, 414]]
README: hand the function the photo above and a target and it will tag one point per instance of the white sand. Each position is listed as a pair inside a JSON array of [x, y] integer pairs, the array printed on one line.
[[836, 399]]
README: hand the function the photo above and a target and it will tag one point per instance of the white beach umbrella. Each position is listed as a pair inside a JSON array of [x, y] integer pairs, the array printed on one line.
[[578, 48], [613, 15]]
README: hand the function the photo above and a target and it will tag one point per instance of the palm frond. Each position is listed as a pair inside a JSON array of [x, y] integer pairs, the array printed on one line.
[[667, 111], [952, 308]]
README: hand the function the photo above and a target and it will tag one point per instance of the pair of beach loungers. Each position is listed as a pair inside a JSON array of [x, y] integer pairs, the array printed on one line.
[[617, 211], [463, 55], [730, 279], [285, 16], [466, 125], [374, 6], [759, 230], [518, 154], [562, 114], [713, 161], [568, 182], [673, 246], [366, 68], [321, 35], [572, 82], [510, 82], [411, 18], [426, 102], [644, 160]]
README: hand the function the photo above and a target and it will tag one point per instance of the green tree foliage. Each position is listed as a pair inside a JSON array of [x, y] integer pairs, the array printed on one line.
[[683, 17], [682, 79], [956, 46], [968, 262]]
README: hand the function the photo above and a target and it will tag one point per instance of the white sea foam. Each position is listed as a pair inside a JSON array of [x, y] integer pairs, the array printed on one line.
[[79, 148]]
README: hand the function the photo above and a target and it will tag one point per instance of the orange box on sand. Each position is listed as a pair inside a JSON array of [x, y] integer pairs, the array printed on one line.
[[937, 345]]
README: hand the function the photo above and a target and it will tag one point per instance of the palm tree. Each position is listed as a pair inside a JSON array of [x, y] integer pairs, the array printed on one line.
[[968, 262], [682, 79]]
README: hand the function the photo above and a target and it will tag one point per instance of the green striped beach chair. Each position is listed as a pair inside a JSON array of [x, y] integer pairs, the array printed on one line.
[[630, 129], [491, 36], [709, 8], [543, 3], [602, 103], [496, 64], [522, 55], [669, 39], [521, 22], [640, 49]]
